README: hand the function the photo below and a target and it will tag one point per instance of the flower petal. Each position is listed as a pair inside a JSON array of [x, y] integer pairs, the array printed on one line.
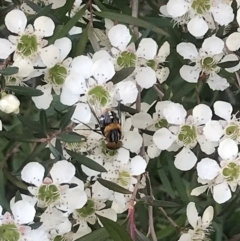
[[100, 192], [50, 55], [213, 45], [233, 41], [82, 113], [192, 214], [199, 190], [185, 237], [33, 173], [228, 149], [67, 97], [187, 51], [175, 113], [216, 82], [177, 8], [153, 151], [197, 26], [229, 58], [163, 52], [223, 109], [57, 3], [90, 172], [64, 45], [6, 48], [16, 21], [206, 146], [213, 130], [201, 114], [207, 216], [108, 213], [185, 160], [75, 84], [208, 169], [146, 77], [222, 13], [190, 73], [147, 48], [133, 146], [221, 193], [141, 120], [82, 65], [44, 26], [138, 165], [163, 138]]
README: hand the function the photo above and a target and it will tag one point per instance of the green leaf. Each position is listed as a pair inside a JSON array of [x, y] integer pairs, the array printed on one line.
[[54, 151], [113, 186], [25, 137], [9, 71], [100, 5], [21, 90], [131, 20], [159, 203], [121, 75], [3, 201], [82, 43], [99, 235], [18, 196], [93, 40], [82, 159], [43, 121], [128, 109], [140, 237], [70, 137], [116, 231], [228, 64], [67, 27], [40, 12], [33, 125]]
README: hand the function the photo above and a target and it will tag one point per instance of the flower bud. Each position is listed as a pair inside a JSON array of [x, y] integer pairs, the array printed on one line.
[[9, 103]]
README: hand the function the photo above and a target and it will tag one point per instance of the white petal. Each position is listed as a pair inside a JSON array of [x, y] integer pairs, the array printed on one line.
[[207, 216], [103, 70], [62, 172], [133, 146], [141, 120], [228, 149], [119, 36], [213, 130], [216, 82], [223, 109], [185, 237], [75, 84], [185, 160], [108, 213], [82, 113], [75, 30], [67, 97], [199, 190], [50, 55], [16, 21], [197, 26], [223, 13], [6, 48], [89, 172], [147, 48], [208, 169], [82, 65], [231, 57], [202, 114], [190, 73], [221, 193], [175, 113], [146, 77], [161, 105], [23, 212], [33, 173], [138, 165], [100, 192], [206, 146], [127, 92], [24, 67], [213, 45], [187, 50], [177, 8], [163, 138], [44, 26], [192, 214], [162, 74], [101, 54], [233, 41], [43, 101], [153, 151], [163, 52], [65, 45]]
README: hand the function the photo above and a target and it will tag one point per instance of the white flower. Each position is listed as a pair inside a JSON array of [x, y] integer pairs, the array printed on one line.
[[206, 62], [29, 42], [49, 192], [200, 225], [9, 104]]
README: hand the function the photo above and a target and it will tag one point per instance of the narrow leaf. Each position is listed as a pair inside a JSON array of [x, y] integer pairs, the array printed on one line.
[[9, 71], [67, 118], [121, 75], [131, 20], [93, 40], [28, 138], [70, 137], [116, 231], [228, 64], [159, 203], [82, 159], [33, 125], [113, 186], [82, 43], [54, 151], [3, 200], [128, 109], [99, 235], [43, 121], [21, 90]]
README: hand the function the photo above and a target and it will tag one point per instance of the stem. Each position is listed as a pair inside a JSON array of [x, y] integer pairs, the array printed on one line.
[[135, 6], [91, 12]]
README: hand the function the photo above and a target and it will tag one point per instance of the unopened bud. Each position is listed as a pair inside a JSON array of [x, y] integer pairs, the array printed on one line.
[[9, 103]]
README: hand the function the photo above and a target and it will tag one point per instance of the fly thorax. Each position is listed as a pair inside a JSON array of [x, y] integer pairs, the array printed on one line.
[[9, 232], [99, 95], [49, 194], [56, 75], [187, 136], [27, 45], [127, 59], [201, 6], [231, 172], [209, 65], [87, 210]]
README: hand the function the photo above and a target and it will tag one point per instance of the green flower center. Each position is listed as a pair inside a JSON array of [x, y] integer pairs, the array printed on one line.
[[231, 172], [49, 194], [232, 131], [57, 74], [87, 210], [9, 232], [107, 152], [75, 146], [10, 80], [124, 178], [127, 59], [162, 123], [98, 94], [201, 6], [27, 45], [188, 135], [152, 64], [59, 238], [208, 64]]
